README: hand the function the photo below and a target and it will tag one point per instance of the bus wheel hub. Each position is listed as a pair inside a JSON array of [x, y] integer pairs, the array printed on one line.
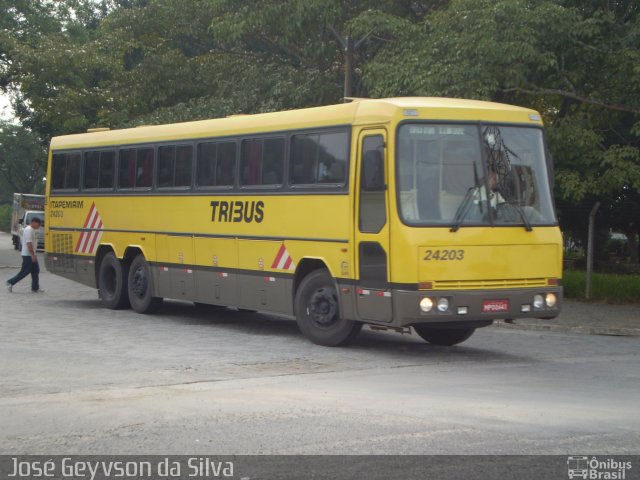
[[323, 307], [139, 283]]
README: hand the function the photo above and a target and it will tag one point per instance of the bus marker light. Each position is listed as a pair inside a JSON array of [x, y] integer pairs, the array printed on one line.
[[554, 282], [426, 304], [525, 308], [443, 305], [538, 302], [463, 310], [550, 300], [425, 286], [410, 112]]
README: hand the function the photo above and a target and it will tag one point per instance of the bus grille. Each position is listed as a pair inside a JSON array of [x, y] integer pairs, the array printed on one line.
[[484, 284], [63, 251]]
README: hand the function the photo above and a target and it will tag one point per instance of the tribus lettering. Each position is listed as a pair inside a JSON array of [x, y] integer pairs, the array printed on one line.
[[237, 211]]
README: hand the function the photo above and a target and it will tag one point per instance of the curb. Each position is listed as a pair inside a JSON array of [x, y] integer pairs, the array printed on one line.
[[584, 330]]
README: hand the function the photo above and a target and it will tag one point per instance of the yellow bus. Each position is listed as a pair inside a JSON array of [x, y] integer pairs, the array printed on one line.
[[428, 213]]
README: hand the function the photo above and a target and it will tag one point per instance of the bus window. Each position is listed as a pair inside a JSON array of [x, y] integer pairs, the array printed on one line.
[[107, 169], [72, 173], [319, 158], [144, 168], [135, 168], [216, 164], [91, 169], [98, 169], [127, 168], [66, 171], [166, 159], [262, 161], [226, 164], [373, 211]]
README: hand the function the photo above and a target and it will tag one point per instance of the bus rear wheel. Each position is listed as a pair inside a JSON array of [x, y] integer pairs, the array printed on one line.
[[317, 311], [112, 282], [443, 336], [140, 287]]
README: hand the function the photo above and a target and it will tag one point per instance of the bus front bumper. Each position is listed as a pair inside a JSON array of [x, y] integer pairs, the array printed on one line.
[[475, 306]]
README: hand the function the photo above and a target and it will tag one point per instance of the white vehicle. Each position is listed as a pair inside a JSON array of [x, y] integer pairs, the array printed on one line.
[[26, 206]]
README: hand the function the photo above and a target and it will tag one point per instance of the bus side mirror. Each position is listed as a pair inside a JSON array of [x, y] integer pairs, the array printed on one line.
[[373, 172], [21, 221]]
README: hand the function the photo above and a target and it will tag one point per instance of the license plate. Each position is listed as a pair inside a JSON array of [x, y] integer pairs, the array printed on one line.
[[495, 306]]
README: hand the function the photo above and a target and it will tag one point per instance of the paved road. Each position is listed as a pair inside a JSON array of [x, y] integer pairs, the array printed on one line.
[[76, 378]]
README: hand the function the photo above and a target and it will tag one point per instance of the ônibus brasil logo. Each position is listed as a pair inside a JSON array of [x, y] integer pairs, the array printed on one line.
[[597, 468]]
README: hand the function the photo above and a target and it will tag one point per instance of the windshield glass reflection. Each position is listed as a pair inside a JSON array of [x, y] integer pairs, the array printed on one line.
[[468, 175]]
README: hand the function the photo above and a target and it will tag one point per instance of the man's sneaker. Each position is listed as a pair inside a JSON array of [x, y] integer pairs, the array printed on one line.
[[37, 291], [9, 287]]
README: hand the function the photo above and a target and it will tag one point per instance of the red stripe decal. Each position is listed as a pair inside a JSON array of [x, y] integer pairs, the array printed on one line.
[[279, 256]]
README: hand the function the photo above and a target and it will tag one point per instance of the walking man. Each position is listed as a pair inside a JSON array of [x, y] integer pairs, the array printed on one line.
[[29, 258]]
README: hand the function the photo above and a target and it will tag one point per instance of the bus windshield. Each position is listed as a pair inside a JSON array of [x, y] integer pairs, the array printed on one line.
[[455, 175]]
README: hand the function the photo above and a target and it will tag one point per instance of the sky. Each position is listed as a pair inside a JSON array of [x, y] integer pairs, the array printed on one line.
[[6, 112]]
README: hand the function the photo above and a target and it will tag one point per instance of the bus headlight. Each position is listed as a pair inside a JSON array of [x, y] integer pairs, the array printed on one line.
[[426, 304], [538, 302], [443, 305], [550, 300]]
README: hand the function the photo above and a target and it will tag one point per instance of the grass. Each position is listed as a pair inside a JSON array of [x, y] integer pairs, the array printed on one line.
[[606, 287]]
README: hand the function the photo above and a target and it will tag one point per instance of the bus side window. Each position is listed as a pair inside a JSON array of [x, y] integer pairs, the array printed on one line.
[[144, 168], [273, 161], [127, 168], [226, 164], [72, 173], [206, 164], [57, 170], [107, 169], [183, 166], [373, 210], [262, 161]]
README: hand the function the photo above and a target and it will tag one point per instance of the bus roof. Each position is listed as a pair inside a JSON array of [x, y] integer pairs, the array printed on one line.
[[358, 112]]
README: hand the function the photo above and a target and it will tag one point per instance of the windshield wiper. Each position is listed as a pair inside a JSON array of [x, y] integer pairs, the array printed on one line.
[[462, 210], [523, 216], [464, 206]]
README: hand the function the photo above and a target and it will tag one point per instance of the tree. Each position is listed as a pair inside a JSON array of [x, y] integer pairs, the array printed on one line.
[[22, 160], [576, 62]]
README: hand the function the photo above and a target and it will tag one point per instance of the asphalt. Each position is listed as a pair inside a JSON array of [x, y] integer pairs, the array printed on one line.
[[588, 318]]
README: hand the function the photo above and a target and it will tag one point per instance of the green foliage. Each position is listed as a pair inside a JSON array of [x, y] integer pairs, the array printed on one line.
[[5, 217], [22, 160], [75, 64], [606, 287]]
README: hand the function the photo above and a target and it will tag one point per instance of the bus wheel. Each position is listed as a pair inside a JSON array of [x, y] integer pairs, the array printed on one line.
[[443, 336], [140, 287], [112, 282], [317, 311]]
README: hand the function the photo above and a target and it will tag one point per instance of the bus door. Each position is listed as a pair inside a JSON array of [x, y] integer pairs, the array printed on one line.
[[373, 291]]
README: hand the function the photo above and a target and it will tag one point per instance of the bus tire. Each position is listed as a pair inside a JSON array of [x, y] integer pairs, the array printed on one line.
[[140, 287], [443, 336], [112, 282], [318, 314]]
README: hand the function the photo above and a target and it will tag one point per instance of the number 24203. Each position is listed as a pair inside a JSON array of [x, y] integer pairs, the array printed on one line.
[[444, 255]]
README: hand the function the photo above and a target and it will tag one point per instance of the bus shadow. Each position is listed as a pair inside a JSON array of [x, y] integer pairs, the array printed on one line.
[[269, 325]]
